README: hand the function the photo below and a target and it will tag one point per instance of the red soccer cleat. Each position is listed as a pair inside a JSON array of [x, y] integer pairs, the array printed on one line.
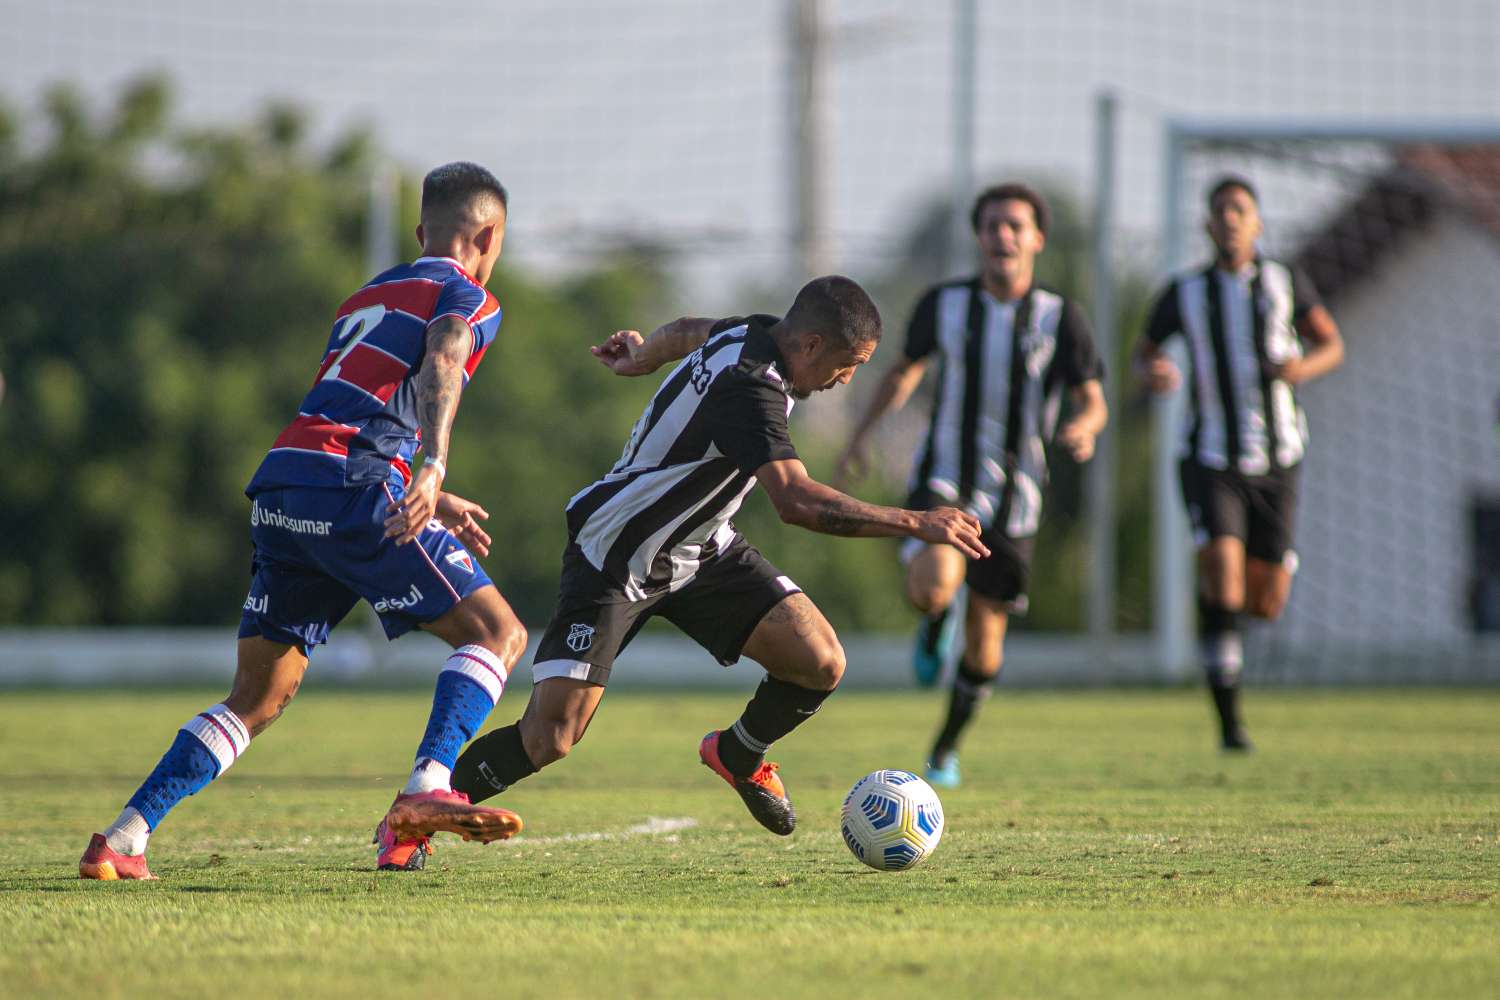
[[392, 855], [763, 793], [413, 817], [101, 863]]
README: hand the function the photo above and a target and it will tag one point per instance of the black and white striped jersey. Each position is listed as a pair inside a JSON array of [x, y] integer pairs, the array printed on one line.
[[690, 462], [1002, 368], [1239, 329]]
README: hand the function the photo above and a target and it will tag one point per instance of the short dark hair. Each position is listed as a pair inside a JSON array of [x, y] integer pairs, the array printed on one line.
[[461, 189], [1228, 183], [1013, 191], [836, 308]]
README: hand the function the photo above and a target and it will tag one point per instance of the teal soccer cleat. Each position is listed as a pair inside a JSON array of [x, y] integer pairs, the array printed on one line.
[[942, 772], [934, 645]]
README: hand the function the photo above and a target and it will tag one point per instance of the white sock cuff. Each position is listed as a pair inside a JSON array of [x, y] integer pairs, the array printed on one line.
[[222, 732], [128, 833], [481, 666]]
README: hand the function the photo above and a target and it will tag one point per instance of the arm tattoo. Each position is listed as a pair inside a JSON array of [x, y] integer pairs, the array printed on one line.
[[439, 384], [841, 516]]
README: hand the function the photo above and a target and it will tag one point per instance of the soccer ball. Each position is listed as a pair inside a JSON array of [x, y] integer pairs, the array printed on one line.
[[891, 820]]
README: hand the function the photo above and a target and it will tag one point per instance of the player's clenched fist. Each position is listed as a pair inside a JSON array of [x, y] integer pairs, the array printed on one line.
[[951, 526], [1160, 375]]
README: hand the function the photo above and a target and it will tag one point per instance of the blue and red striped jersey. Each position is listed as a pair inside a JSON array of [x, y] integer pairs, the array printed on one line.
[[358, 423]]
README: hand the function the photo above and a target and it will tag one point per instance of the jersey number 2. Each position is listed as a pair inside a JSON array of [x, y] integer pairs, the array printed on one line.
[[356, 326]]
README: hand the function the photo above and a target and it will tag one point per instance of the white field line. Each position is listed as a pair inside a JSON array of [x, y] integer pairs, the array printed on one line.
[[654, 826]]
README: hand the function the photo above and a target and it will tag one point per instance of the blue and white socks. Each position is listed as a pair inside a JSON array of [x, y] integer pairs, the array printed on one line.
[[205, 747], [468, 686]]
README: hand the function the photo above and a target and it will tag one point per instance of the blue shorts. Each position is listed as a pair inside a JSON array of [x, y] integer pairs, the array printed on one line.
[[318, 551]]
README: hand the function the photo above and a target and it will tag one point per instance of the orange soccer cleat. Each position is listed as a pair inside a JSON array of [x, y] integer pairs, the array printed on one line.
[[415, 817], [106, 865], [762, 791]]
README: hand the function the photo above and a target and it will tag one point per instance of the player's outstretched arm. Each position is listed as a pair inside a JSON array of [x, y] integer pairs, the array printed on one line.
[[890, 395], [1325, 351], [626, 352], [439, 384], [801, 500]]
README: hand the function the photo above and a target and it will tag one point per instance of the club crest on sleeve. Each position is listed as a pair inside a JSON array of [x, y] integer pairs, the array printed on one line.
[[460, 558], [580, 637]]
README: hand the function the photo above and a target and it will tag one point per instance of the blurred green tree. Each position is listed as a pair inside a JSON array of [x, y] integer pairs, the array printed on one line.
[[167, 291]]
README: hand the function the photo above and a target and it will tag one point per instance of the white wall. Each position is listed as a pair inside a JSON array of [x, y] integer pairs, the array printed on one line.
[[1403, 438]]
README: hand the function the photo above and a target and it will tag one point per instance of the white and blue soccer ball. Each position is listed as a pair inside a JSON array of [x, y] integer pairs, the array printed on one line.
[[891, 820]]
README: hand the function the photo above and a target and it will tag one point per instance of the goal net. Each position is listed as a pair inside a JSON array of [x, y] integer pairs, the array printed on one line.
[[1399, 516]]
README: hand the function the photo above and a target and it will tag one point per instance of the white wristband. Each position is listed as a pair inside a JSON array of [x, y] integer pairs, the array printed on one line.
[[442, 470]]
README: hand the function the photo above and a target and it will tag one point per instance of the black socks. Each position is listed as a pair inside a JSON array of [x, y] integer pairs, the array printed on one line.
[[1223, 657], [776, 709], [492, 763], [970, 687]]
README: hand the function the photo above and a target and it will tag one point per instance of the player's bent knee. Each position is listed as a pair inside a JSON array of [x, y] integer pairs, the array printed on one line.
[[1267, 607], [829, 668], [984, 662], [1227, 595], [495, 626], [930, 599]]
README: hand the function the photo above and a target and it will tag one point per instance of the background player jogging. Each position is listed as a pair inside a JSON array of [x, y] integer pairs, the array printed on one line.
[[1245, 319], [337, 515], [654, 537], [1006, 351]]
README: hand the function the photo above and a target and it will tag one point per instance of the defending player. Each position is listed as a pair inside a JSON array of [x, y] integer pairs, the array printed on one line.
[[1006, 349], [1245, 320], [336, 514], [654, 537]]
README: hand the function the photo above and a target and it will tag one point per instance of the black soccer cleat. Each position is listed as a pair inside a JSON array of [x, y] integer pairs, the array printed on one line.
[[1236, 741], [762, 792]]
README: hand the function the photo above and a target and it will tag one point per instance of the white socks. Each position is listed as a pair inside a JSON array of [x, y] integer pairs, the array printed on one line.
[[128, 833], [428, 776]]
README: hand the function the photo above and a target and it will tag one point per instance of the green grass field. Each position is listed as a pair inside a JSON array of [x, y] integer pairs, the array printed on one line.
[[1099, 848]]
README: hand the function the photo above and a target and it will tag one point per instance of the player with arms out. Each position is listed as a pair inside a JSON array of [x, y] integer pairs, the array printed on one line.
[[653, 537], [337, 515], [1007, 350], [1245, 320]]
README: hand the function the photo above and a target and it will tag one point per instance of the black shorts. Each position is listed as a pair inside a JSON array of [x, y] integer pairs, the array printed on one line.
[[1004, 575], [1260, 511], [594, 620]]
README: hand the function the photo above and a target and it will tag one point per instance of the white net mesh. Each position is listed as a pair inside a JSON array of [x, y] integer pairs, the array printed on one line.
[[1400, 572]]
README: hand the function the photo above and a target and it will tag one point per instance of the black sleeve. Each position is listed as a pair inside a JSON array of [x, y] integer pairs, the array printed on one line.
[[1165, 318], [1305, 295], [921, 332], [1078, 358], [730, 322], [746, 418]]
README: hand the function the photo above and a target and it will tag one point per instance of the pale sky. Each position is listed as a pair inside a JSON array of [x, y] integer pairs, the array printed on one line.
[[667, 117]]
